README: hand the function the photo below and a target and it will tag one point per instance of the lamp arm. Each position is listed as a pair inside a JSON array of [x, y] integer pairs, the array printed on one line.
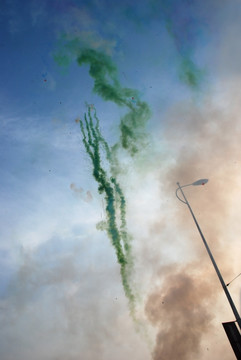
[[179, 198], [179, 188]]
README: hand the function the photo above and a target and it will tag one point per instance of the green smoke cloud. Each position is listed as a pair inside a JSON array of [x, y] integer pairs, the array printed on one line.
[[106, 84]]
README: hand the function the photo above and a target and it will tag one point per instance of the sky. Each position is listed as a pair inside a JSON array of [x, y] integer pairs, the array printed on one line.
[[105, 106]]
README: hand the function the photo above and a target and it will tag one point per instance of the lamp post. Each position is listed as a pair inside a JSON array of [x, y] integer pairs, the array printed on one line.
[[230, 300]]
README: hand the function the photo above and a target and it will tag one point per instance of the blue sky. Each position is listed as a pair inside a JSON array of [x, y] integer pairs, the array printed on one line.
[[61, 295]]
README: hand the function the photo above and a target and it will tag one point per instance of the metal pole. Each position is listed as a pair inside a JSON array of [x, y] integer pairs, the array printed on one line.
[[235, 311]]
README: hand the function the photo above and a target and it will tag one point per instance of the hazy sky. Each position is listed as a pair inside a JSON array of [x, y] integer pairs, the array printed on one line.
[[98, 257]]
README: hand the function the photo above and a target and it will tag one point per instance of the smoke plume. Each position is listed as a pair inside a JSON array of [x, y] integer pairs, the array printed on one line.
[[204, 143], [180, 312]]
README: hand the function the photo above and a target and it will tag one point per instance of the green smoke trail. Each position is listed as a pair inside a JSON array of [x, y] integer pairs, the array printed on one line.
[[190, 74], [114, 198], [120, 199], [184, 23]]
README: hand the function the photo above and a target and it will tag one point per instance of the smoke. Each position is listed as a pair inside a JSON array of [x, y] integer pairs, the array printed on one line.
[[133, 137], [185, 26], [106, 84], [179, 310], [60, 298], [186, 23], [79, 192], [204, 143], [114, 199]]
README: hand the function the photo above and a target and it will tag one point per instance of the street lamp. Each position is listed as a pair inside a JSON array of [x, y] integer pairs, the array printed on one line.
[[230, 300]]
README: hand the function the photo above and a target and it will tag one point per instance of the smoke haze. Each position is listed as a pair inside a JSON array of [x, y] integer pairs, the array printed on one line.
[[173, 116]]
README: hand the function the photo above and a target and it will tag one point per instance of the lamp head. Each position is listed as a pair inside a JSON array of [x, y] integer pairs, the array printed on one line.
[[200, 182]]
